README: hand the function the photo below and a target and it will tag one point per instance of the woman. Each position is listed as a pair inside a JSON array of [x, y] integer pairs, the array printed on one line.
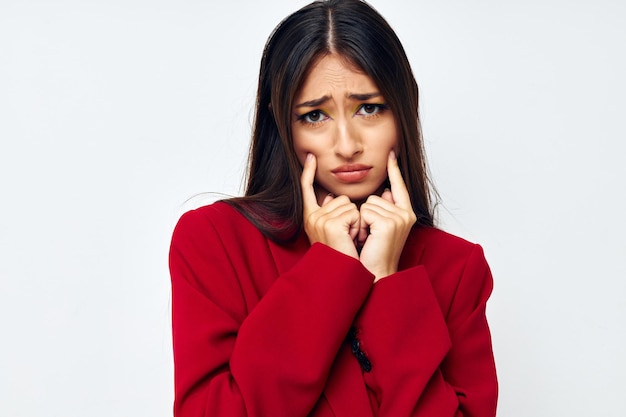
[[326, 290]]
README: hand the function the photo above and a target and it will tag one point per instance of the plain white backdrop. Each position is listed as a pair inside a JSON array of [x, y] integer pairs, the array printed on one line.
[[114, 113]]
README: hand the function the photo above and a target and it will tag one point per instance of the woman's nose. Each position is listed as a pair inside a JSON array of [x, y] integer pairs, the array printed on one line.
[[347, 140]]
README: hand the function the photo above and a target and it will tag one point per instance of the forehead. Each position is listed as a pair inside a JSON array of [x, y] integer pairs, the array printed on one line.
[[332, 73]]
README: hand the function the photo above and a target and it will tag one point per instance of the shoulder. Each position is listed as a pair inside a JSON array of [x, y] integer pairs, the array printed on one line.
[[216, 212], [436, 243], [456, 267], [218, 220], [217, 215], [446, 256]]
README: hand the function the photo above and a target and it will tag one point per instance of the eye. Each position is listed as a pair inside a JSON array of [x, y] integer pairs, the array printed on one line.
[[369, 109], [313, 117]]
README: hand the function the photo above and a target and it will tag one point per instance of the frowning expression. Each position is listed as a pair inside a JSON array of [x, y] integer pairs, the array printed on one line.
[[341, 117]]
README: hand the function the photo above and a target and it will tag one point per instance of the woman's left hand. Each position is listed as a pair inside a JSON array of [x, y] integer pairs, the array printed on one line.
[[389, 219]]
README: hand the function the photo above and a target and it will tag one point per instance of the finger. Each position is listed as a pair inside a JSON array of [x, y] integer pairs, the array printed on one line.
[[331, 202], [364, 227], [355, 227], [363, 232], [400, 195], [386, 195], [306, 181], [329, 197], [345, 217], [336, 206], [372, 211], [377, 209], [385, 201]]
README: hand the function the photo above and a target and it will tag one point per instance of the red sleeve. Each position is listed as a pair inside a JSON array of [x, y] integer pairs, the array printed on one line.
[[233, 362], [425, 363]]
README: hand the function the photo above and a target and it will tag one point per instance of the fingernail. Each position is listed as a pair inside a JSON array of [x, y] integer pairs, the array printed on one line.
[[392, 154], [309, 157]]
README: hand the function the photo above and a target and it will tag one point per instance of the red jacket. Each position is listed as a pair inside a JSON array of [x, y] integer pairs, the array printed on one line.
[[261, 329]]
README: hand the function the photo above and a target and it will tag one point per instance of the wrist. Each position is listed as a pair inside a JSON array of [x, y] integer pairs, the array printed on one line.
[[378, 275]]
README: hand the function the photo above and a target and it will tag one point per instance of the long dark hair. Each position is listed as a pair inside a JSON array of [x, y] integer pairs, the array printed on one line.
[[355, 31]]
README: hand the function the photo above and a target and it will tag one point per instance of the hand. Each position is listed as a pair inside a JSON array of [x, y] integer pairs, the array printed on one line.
[[389, 219], [336, 222]]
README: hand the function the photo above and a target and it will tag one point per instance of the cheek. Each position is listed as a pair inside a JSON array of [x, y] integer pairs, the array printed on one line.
[[387, 139], [300, 155], [303, 145], [393, 139], [299, 148]]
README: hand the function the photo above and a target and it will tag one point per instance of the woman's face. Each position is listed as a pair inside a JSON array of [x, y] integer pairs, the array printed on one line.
[[340, 117]]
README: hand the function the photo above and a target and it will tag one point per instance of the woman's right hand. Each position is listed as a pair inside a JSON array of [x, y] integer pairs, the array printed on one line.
[[336, 222]]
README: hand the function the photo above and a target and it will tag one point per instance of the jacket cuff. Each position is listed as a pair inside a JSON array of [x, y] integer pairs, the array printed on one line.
[[402, 332]]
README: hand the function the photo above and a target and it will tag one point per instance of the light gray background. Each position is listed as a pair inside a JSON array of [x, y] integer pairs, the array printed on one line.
[[114, 113]]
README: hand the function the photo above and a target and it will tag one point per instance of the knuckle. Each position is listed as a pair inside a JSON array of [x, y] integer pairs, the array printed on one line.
[[342, 199]]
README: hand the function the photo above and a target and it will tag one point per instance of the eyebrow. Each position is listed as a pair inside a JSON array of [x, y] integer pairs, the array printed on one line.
[[363, 97], [313, 103], [319, 101]]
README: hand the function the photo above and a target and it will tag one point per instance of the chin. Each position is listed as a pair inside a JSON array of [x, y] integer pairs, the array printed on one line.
[[357, 196]]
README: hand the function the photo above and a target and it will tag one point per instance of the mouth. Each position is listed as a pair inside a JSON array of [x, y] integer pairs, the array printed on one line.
[[351, 173]]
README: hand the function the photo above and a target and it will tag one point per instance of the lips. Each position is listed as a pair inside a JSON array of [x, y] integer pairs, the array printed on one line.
[[351, 173]]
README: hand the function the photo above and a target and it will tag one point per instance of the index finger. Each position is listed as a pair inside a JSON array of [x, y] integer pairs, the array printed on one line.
[[398, 188], [306, 182]]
